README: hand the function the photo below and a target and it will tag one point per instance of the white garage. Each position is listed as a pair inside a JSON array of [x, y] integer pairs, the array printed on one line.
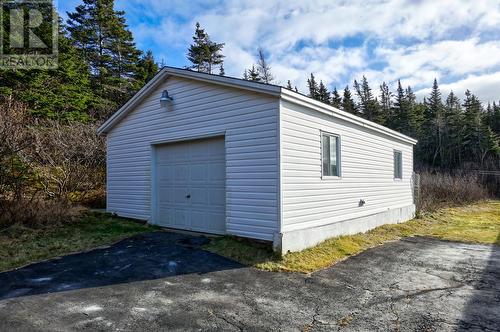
[[221, 155]]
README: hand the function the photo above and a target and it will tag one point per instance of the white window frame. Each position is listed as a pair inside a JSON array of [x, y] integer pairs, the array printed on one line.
[[339, 155], [394, 164]]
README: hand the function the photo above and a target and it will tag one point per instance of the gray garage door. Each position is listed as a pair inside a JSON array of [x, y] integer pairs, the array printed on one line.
[[191, 188]]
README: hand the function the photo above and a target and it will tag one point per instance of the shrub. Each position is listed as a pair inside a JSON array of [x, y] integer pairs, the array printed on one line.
[[93, 198], [45, 165], [68, 158], [37, 212], [441, 189]]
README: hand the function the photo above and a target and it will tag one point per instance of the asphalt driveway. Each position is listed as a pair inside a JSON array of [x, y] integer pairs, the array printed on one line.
[[164, 281]]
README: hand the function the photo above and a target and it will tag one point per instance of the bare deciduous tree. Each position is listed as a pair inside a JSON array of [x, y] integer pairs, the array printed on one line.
[[15, 137], [263, 67], [70, 158]]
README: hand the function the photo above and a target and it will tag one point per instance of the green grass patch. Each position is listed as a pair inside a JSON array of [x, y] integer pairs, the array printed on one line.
[[477, 223], [20, 245]]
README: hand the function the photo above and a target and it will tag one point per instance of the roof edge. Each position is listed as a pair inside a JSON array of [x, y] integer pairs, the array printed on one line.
[[269, 89], [297, 98], [118, 115]]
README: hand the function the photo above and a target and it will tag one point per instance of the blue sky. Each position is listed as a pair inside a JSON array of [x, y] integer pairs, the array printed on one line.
[[457, 42]]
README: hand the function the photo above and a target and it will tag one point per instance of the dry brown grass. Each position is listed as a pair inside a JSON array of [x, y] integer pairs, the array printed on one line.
[[37, 213], [476, 223], [438, 190], [20, 245]]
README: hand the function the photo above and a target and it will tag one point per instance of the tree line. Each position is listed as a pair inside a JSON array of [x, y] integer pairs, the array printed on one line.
[[452, 133], [100, 68]]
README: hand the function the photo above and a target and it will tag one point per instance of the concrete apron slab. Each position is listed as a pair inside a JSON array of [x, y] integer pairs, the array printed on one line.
[[414, 284]]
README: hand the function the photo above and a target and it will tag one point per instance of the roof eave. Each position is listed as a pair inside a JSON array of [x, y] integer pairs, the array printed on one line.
[[170, 71], [118, 115], [297, 98]]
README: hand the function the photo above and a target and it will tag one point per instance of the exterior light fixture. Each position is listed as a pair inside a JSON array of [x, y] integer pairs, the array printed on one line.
[[165, 98]]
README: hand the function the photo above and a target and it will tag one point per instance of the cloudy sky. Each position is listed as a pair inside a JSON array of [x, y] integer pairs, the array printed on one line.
[[457, 42]]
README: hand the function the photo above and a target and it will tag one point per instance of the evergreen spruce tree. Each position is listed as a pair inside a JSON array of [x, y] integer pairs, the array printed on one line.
[[415, 113], [197, 50], [433, 124], [492, 118], [452, 132], [313, 87], [495, 119], [368, 105], [403, 115], [336, 100], [489, 145], [108, 47], [253, 75], [61, 93], [222, 72], [385, 105], [245, 75], [348, 104], [289, 85], [472, 127], [147, 67], [215, 57], [204, 54], [323, 94]]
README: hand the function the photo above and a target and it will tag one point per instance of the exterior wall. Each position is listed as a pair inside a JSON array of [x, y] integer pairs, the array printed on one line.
[[249, 121], [310, 202]]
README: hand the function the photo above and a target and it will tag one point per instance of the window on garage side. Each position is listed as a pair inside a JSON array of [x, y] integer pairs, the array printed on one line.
[[398, 165], [330, 154]]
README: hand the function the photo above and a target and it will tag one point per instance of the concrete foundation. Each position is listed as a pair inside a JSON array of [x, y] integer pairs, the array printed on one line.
[[298, 240]]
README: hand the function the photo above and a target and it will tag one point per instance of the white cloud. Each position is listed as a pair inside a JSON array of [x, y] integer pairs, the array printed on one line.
[[485, 86], [416, 41], [454, 57]]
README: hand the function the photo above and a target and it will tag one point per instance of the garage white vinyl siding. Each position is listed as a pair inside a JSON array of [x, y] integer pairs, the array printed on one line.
[[367, 170], [249, 122]]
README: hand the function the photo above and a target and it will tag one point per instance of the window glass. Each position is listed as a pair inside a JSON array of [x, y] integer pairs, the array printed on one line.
[[398, 165], [331, 155]]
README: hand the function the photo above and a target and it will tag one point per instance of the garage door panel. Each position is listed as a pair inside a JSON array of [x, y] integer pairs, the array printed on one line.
[[218, 220], [180, 153], [191, 185], [180, 198], [217, 149], [199, 195], [181, 218], [199, 172], [217, 197], [218, 171], [199, 220], [198, 151], [165, 216], [166, 195], [181, 173], [165, 173]]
